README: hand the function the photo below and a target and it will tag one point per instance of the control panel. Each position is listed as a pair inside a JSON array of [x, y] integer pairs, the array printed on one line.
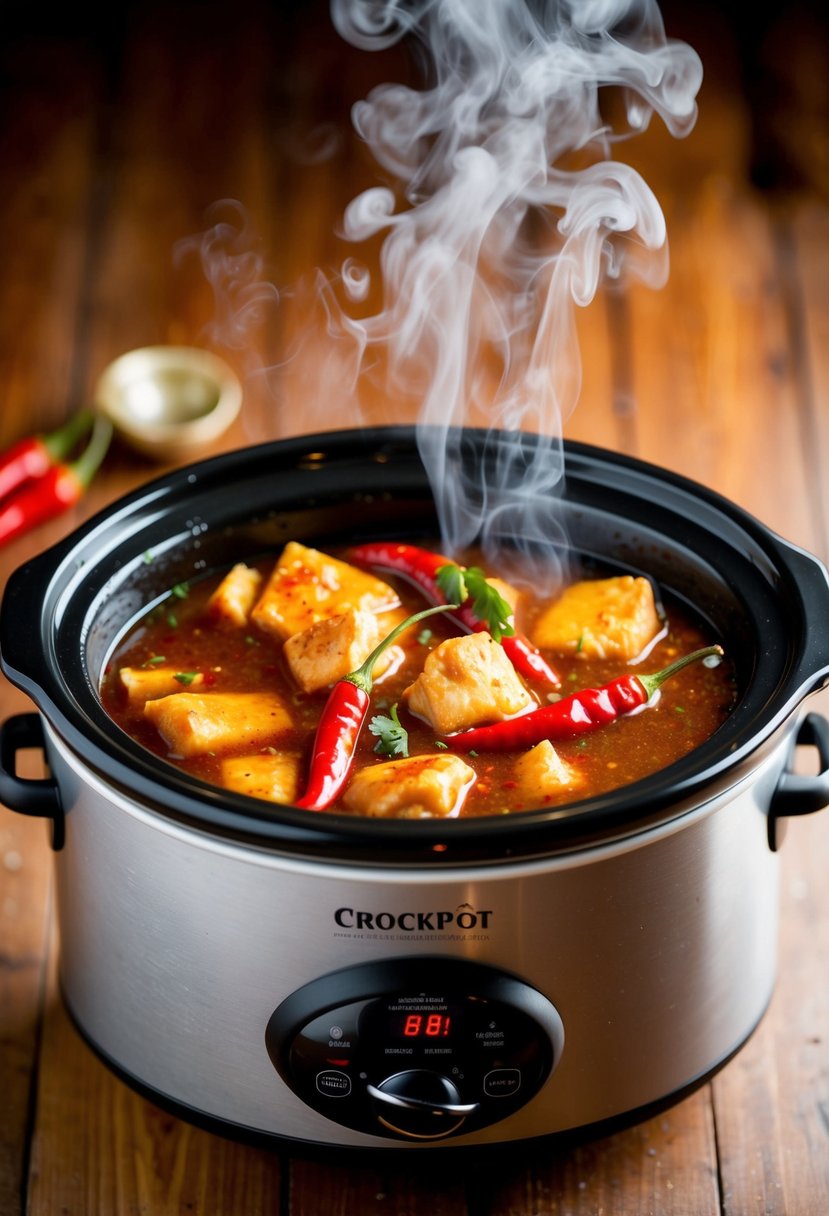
[[416, 1049]]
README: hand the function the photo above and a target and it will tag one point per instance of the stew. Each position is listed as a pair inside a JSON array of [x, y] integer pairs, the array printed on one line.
[[230, 677]]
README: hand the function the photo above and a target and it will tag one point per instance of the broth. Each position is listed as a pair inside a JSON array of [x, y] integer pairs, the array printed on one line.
[[178, 634]]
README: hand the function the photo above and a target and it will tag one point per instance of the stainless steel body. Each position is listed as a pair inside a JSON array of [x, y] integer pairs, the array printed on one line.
[[658, 950]]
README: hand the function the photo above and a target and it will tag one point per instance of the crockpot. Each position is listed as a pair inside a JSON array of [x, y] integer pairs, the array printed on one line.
[[330, 980]]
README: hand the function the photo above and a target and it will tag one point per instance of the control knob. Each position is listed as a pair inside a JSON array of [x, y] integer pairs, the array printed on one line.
[[420, 1104]]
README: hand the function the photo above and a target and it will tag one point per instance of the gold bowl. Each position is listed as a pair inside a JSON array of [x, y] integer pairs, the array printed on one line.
[[169, 402]]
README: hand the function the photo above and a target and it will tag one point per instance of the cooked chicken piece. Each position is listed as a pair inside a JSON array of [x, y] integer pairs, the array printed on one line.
[[541, 772], [417, 787], [600, 619], [330, 649], [467, 681], [146, 683], [307, 586], [270, 775], [190, 723], [233, 599]]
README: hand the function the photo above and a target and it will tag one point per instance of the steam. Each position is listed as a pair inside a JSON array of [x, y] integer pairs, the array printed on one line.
[[510, 212], [234, 269]]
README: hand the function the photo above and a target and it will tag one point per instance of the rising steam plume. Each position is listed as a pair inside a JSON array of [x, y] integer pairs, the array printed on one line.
[[511, 210]]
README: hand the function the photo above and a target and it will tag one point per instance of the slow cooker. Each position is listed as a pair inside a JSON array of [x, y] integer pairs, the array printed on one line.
[[329, 980]]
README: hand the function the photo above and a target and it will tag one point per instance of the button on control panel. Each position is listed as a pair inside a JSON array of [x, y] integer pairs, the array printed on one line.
[[502, 1082], [334, 1084], [416, 1049]]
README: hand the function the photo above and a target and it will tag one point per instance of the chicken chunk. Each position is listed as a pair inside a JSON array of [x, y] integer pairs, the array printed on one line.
[[307, 586], [600, 619], [270, 775], [191, 724], [417, 787], [330, 649], [467, 681], [146, 683], [541, 773], [233, 599]]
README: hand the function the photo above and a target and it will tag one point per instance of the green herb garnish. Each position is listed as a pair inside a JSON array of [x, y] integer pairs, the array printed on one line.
[[488, 605], [451, 581], [186, 677], [392, 736]]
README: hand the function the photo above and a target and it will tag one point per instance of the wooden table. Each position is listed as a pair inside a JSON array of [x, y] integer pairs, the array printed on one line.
[[118, 135]]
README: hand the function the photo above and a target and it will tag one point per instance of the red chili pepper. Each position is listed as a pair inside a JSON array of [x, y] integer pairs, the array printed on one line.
[[33, 457], [420, 566], [574, 715], [342, 720], [59, 488]]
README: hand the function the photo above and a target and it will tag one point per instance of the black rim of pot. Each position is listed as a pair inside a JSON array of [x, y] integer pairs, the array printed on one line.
[[61, 609]]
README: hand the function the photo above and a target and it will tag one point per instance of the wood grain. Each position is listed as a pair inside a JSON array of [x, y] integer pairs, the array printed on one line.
[[44, 140], [24, 900], [808, 229], [666, 1165], [99, 1147]]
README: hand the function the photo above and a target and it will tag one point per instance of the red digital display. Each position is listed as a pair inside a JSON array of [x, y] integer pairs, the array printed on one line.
[[426, 1025]]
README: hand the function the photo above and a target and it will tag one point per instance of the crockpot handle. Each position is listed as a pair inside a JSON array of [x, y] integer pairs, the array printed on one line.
[[26, 795], [797, 794]]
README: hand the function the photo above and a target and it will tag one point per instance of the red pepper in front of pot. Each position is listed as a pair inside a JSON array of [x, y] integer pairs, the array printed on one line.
[[421, 567], [582, 711], [60, 487], [342, 721]]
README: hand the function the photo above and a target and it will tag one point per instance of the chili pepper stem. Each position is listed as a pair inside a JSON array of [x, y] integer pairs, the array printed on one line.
[[60, 442], [362, 677], [341, 722], [652, 682], [56, 489], [586, 710], [88, 463], [39, 457], [421, 567]]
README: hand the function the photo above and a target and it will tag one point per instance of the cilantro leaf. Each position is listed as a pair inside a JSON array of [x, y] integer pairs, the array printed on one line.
[[452, 583], [392, 736], [488, 605]]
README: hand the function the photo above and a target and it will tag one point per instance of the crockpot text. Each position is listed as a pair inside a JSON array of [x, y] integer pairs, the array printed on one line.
[[464, 917]]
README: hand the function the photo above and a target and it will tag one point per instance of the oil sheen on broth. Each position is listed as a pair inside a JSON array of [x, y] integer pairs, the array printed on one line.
[[215, 637]]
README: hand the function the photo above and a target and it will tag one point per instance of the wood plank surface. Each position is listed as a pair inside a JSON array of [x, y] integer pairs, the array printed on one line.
[[98, 1147], [45, 137], [170, 140]]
